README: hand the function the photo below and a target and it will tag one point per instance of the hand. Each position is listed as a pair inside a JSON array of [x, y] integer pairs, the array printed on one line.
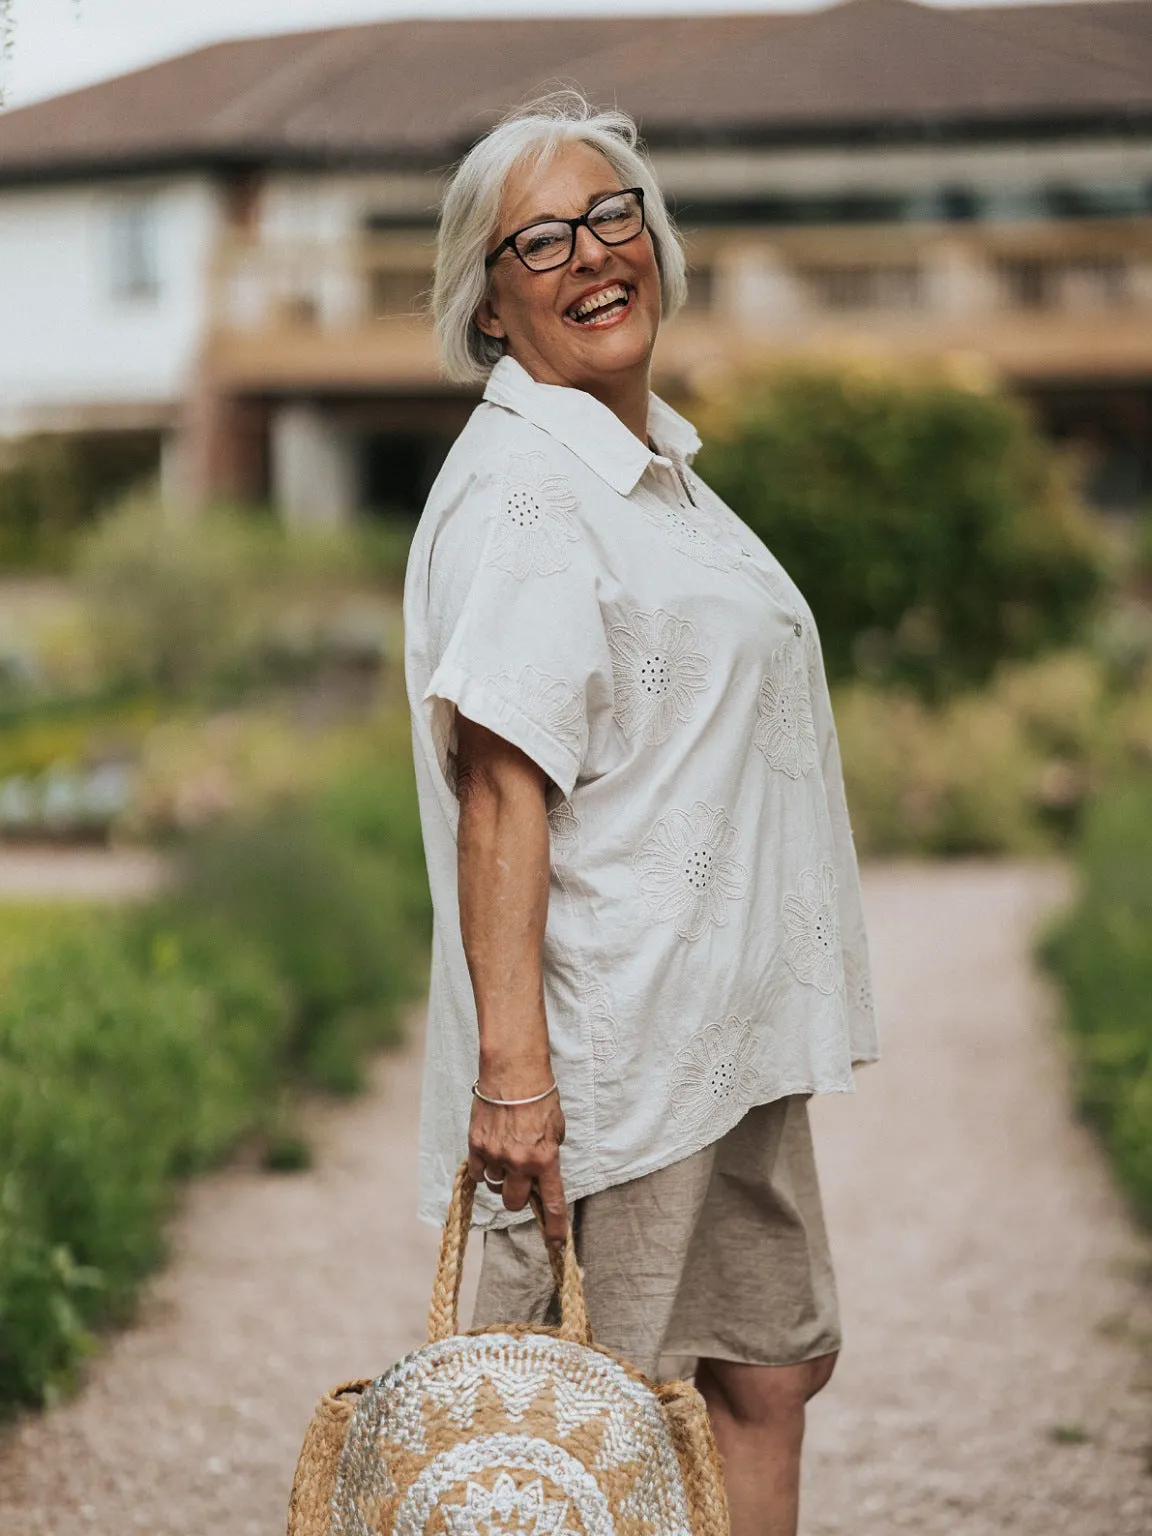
[[521, 1146]]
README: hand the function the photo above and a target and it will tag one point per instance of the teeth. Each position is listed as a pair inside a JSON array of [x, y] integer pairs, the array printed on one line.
[[614, 295]]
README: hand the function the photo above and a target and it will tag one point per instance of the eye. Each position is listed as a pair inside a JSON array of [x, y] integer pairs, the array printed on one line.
[[543, 241], [616, 212]]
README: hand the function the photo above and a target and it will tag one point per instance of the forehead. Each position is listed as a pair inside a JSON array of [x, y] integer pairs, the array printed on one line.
[[559, 187]]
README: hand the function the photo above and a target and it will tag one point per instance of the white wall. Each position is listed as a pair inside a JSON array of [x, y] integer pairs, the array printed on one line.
[[67, 342]]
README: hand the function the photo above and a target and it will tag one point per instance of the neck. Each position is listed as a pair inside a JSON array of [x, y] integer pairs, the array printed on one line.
[[627, 398]]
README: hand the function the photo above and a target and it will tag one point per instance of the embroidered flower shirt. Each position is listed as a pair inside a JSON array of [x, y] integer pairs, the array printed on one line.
[[593, 602]]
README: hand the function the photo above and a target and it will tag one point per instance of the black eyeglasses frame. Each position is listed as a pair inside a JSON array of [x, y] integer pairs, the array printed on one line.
[[509, 242]]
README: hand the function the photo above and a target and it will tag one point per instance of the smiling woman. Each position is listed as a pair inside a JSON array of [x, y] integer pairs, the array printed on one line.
[[647, 902]]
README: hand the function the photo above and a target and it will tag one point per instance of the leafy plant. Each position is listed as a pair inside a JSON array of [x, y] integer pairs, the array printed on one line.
[[929, 526]]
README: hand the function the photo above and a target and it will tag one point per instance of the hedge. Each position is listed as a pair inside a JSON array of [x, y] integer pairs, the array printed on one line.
[[1100, 954], [929, 526], [140, 1047]]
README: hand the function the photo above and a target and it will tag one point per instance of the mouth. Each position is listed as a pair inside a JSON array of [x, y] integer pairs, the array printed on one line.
[[602, 308]]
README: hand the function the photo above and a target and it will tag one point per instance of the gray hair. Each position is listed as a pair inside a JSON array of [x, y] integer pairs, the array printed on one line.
[[471, 204]]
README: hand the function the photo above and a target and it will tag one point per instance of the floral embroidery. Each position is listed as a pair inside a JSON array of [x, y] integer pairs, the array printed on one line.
[[602, 1025], [563, 825], [687, 871], [657, 674], [785, 732], [505, 1510], [711, 1074], [858, 979], [812, 949], [535, 525], [548, 702], [698, 537]]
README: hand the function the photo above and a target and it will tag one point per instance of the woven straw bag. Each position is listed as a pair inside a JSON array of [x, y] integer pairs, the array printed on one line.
[[508, 1431]]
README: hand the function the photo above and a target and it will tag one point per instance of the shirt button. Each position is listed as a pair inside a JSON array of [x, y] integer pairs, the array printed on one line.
[[797, 628]]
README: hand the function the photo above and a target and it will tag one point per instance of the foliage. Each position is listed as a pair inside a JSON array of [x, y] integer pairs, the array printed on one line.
[[1007, 769], [136, 1049], [126, 1057], [1100, 953], [928, 525], [51, 488]]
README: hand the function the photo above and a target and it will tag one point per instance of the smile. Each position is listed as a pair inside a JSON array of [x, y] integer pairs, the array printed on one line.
[[603, 307]]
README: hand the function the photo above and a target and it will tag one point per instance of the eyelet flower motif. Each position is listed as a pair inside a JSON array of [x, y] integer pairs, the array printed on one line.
[[711, 1075], [657, 674], [563, 825], [686, 869], [698, 536], [549, 702], [505, 1510], [812, 920], [534, 525], [858, 980], [785, 731]]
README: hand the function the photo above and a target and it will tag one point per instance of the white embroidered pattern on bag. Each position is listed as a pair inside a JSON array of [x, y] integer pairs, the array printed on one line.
[[657, 674], [520, 1476], [534, 525], [505, 1510], [687, 870], [563, 827], [785, 731], [548, 702], [711, 1074], [812, 948]]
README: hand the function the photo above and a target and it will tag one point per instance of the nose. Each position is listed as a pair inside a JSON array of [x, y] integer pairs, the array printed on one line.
[[588, 253]]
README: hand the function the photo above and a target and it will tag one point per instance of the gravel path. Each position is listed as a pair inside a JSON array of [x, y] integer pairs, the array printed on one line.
[[78, 874], [992, 1289]]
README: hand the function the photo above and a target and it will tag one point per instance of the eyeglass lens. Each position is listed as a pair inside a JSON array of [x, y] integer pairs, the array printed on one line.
[[613, 220]]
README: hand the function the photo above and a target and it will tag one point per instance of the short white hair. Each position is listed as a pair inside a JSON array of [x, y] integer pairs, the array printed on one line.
[[471, 205]]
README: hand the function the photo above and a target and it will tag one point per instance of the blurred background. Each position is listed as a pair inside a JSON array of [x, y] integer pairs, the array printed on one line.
[[918, 344]]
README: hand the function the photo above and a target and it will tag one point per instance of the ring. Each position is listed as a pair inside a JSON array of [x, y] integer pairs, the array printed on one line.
[[491, 1182]]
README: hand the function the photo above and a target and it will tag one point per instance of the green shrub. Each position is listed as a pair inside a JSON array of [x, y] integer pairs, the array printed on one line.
[[1100, 953], [52, 486], [929, 526], [128, 1055], [169, 598]]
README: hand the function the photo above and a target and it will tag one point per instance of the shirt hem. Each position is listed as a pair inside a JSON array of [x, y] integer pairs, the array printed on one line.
[[591, 1184]]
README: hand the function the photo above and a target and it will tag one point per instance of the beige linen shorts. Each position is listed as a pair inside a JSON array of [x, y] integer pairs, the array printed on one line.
[[720, 1256]]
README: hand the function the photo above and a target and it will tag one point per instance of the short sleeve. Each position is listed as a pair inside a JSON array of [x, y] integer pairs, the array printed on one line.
[[513, 599]]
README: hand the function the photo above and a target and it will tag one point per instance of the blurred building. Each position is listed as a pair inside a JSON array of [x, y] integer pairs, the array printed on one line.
[[230, 250]]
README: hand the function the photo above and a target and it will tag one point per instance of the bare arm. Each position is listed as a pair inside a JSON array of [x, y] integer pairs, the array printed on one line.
[[503, 878]]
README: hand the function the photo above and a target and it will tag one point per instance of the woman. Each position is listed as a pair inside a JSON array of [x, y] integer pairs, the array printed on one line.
[[649, 948]]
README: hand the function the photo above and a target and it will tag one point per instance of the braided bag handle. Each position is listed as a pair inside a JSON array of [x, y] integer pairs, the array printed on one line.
[[444, 1307]]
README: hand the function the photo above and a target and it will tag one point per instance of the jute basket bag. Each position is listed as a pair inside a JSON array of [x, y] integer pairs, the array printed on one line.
[[509, 1431]]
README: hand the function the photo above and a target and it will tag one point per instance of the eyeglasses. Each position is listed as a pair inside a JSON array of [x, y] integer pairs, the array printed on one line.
[[614, 220]]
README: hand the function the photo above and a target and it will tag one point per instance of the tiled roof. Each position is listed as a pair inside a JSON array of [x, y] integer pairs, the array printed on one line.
[[419, 91]]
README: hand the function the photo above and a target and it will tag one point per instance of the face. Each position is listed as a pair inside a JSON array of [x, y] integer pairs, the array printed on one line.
[[534, 312]]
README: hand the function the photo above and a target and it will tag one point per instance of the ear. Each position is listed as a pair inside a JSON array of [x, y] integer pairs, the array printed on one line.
[[487, 319]]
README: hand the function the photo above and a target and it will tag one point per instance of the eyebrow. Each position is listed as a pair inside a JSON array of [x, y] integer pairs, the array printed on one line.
[[544, 218]]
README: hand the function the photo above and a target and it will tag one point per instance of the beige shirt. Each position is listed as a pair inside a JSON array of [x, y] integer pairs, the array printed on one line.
[[593, 602]]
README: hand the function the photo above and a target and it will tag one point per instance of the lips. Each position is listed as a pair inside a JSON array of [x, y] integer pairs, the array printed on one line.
[[600, 306]]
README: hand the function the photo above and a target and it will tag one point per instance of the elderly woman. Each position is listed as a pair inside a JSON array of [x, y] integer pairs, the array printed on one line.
[[649, 948]]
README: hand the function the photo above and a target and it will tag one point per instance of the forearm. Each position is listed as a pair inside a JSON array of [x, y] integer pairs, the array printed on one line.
[[503, 878]]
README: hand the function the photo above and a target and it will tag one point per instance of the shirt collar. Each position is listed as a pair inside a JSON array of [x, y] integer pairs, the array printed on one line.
[[593, 432]]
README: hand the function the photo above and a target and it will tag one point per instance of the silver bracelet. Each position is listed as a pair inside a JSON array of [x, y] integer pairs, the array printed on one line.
[[512, 1103]]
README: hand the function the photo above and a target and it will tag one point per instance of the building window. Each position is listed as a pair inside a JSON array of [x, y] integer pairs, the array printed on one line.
[[1088, 284], [701, 289], [134, 256], [865, 286], [396, 291]]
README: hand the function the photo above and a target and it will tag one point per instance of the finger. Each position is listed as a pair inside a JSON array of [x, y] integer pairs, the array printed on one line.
[[517, 1187], [476, 1164], [551, 1187]]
